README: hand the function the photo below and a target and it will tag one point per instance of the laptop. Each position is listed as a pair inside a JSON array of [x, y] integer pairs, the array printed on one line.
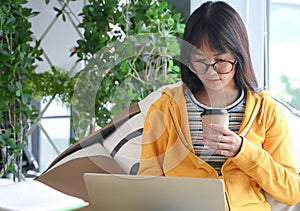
[[119, 192]]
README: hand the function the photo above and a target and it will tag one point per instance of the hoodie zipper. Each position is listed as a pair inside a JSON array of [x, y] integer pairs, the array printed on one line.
[[227, 201]]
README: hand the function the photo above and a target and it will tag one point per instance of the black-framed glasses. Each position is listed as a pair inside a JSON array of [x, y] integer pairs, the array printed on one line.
[[221, 66]]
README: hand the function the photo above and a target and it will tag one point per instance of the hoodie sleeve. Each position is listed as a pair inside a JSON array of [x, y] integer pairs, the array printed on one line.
[[154, 140], [270, 161]]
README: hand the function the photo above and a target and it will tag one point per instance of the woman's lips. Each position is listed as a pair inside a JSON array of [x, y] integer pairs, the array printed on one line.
[[212, 80]]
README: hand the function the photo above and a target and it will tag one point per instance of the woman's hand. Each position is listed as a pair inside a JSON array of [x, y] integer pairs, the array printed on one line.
[[228, 144]]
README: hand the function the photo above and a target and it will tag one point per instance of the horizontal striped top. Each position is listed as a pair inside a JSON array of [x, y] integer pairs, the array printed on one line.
[[236, 112]]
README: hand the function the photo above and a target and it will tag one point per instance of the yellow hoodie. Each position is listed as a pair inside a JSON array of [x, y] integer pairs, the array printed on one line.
[[265, 161]]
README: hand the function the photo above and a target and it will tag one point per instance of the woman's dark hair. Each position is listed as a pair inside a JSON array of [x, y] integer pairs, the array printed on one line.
[[220, 27]]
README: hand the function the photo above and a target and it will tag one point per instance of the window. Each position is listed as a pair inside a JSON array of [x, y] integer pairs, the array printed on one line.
[[284, 45], [55, 132]]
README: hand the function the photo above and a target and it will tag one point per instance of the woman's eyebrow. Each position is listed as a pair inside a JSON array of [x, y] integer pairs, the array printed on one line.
[[218, 54]]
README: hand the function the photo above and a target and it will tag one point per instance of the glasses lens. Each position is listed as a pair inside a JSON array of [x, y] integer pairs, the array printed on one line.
[[198, 67], [223, 67]]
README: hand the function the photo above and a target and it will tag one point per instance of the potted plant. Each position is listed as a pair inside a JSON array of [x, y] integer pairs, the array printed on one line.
[[18, 53]]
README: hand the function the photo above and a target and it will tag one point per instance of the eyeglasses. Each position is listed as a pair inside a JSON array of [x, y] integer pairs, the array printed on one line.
[[221, 66]]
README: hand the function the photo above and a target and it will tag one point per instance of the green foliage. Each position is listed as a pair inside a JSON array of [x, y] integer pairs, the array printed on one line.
[[54, 83], [291, 93], [18, 53], [123, 67]]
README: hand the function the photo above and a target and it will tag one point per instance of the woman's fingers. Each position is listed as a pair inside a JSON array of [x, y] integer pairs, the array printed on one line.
[[227, 143]]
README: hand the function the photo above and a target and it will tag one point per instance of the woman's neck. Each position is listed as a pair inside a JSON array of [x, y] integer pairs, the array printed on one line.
[[217, 98]]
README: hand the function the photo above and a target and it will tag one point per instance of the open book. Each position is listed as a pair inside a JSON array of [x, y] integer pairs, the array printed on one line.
[[36, 196]]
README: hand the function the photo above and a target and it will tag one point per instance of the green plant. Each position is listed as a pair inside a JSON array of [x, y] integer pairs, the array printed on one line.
[[111, 33], [54, 83], [18, 53]]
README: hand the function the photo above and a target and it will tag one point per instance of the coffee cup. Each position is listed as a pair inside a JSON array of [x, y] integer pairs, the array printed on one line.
[[214, 116]]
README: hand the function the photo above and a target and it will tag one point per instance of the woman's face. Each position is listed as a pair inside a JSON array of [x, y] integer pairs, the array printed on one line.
[[211, 79]]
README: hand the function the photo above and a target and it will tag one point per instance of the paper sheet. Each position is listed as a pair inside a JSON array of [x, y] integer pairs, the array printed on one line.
[[36, 196]]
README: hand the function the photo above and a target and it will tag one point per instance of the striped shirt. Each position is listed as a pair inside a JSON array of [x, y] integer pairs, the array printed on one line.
[[236, 112]]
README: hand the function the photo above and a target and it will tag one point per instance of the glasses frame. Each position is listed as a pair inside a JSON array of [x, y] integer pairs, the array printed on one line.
[[213, 65]]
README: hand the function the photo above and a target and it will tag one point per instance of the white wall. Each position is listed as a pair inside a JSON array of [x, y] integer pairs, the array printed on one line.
[[58, 36]]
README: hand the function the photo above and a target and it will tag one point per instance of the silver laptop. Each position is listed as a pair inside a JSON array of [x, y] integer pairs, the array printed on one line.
[[115, 192]]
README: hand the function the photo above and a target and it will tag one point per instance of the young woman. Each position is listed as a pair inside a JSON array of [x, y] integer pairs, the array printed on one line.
[[254, 154]]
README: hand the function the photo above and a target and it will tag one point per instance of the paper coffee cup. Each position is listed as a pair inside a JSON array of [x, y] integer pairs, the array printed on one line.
[[214, 116]]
